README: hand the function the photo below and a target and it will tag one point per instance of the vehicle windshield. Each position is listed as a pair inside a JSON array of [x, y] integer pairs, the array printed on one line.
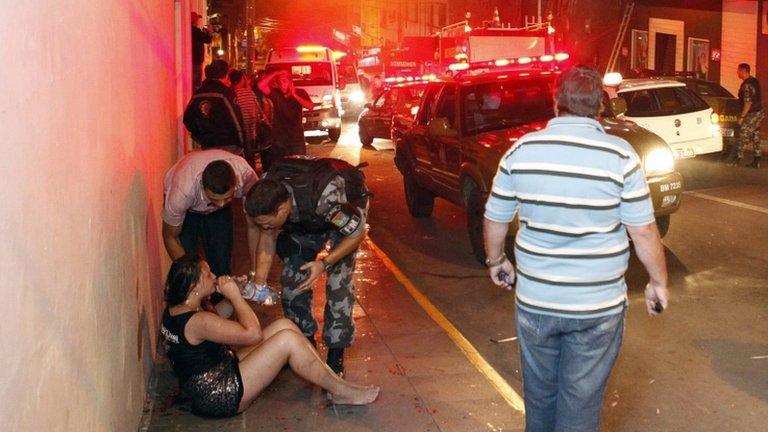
[[306, 73], [504, 104]]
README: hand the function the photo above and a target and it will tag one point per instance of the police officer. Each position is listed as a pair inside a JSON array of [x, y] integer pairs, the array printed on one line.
[[313, 203], [751, 117]]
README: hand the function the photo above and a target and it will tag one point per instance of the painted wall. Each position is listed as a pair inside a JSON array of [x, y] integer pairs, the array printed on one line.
[[89, 123], [703, 22], [740, 20]]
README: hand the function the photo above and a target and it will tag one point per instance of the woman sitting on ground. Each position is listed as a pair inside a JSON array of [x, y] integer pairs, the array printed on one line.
[[221, 382]]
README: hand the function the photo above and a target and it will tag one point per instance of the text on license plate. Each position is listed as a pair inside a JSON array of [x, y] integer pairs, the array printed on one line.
[[670, 186], [684, 153]]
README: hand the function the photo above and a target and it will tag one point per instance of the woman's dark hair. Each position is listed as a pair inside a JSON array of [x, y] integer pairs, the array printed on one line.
[[182, 276], [265, 197], [579, 90]]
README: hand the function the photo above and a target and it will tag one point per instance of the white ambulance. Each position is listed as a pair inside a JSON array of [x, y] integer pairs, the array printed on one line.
[[313, 69]]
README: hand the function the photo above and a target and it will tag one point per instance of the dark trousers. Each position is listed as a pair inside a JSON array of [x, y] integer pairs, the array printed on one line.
[[217, 233]]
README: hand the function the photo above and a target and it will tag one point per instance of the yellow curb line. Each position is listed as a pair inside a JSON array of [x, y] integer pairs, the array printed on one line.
[[500, 384]]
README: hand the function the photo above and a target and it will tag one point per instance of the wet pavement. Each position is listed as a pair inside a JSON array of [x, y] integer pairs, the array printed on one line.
[[427, 382]]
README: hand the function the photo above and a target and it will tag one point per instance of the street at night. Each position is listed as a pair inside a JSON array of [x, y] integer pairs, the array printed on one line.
[[384, 216]]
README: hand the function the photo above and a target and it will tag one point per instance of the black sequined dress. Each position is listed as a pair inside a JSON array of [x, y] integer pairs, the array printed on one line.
[[208, 372]]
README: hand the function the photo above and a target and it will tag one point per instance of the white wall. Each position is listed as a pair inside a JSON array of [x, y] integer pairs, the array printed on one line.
[[89, 126], [739, 40], [666, 26]]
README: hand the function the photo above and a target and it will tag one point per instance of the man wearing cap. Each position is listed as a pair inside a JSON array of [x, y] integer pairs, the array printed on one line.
[[198, 190], [200, 37]]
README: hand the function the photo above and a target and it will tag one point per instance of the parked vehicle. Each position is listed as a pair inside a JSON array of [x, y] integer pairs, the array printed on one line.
[[394, 106], [672, 111], [313, 69], [722, 102], [464, 126]]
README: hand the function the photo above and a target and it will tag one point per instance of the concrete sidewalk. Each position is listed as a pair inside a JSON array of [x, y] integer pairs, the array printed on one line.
[[427, 382]]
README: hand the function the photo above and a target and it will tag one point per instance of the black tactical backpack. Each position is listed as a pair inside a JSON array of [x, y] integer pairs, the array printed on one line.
[[308, 176]]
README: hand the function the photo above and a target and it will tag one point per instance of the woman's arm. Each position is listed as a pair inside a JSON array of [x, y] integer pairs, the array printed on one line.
[[209, 326]]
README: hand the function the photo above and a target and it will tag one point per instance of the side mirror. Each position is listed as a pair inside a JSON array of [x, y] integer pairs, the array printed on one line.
[[619, 105], [342, 83], [440, 127]]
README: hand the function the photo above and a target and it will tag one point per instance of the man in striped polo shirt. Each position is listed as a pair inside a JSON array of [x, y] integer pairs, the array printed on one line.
[[577, 191]]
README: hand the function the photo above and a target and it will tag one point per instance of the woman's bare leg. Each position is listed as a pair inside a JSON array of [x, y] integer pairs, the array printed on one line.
[[264, 363], [268, 332]]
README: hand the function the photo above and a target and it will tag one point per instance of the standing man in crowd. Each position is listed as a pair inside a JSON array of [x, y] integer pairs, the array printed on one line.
[[254, 119], [200, 37], [571, 253], [287, 103], [212, 116], [313, 201], [752, 114], [198, 189]]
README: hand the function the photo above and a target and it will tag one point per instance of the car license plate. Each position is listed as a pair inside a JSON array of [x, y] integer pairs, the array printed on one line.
[[668, 187], [727, 132], [684, 153]]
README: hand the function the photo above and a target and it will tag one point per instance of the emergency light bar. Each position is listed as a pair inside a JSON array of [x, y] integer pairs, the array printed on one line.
[[401, 79], [309, 49], [504, 62]]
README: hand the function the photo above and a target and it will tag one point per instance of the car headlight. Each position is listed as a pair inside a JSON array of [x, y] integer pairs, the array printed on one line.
[[357, 96], [659, 161]]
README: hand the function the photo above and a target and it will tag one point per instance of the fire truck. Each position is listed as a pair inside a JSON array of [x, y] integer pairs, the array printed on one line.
[[461, 43]]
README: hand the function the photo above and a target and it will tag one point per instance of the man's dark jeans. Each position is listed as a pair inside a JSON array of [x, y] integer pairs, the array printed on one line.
[[217, 233], [566, 363]]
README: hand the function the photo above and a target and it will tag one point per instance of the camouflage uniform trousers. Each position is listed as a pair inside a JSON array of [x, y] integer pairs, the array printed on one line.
[[338, 326], [749, 134]]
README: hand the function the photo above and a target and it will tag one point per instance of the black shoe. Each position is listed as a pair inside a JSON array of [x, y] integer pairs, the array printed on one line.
[[755, 163], [336, 360]]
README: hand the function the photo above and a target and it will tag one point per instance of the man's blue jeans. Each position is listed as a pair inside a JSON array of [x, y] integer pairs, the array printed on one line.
[[566, 363]]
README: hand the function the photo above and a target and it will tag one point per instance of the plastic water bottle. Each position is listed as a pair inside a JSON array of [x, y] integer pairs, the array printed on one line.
[[258, 293]]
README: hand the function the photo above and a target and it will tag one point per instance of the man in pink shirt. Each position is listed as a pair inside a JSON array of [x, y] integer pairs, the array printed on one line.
[[198, 190]]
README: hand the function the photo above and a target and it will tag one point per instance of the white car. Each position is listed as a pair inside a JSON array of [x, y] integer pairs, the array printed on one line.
[[672, 111]]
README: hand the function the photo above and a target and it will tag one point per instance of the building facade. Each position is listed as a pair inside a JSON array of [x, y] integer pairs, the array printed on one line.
[[386, 24]]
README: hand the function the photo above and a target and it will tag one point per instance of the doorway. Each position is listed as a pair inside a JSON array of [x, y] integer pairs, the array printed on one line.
[[664, 57]]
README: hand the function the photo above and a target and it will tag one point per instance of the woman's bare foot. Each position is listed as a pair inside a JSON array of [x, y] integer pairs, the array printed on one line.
[[355, 396]]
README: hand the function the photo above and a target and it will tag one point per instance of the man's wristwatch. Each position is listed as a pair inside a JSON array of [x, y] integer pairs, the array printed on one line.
[[327, 266], [491, 263]]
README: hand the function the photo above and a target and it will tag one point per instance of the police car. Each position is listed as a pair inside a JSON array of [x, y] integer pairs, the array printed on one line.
[[669, 109], [465, 125]]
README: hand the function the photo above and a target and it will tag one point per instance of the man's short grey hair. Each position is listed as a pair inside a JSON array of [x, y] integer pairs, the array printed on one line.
[[578, 93]]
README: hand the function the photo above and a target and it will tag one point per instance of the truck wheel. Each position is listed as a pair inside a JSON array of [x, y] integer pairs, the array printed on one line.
[[334, 134], [420, 201], [475, 216], [662, 222]]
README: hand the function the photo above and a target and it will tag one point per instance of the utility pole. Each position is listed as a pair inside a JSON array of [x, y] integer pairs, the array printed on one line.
[[249, 43]]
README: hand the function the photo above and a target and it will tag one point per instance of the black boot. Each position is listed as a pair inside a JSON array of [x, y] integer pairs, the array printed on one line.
[[755, 163], [336, 360]]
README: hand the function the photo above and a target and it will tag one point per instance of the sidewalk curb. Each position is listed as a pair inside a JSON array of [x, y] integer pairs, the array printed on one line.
[[499, 384]]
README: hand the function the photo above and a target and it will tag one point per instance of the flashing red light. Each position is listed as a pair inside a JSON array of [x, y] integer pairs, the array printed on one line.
[[309, 49], [546, 58], [524, 60], [502, 62], [458, 66], [561, 57]]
